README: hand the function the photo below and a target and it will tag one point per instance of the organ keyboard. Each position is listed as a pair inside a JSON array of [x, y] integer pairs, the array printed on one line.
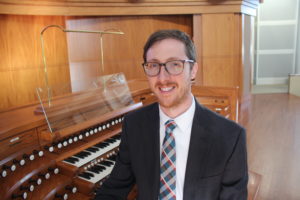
[[98, 171], [93, 152], [68, 163]]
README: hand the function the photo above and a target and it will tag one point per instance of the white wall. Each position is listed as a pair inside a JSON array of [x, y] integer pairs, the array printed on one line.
[[277, 41], [297, 70]]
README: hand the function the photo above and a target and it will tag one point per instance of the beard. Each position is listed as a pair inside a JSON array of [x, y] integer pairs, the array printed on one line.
[[177, 96]]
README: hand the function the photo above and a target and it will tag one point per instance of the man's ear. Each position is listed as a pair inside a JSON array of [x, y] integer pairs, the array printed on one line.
[[194, 71]]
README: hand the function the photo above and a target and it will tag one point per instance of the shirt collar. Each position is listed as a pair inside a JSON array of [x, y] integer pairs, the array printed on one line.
[[183, 121]]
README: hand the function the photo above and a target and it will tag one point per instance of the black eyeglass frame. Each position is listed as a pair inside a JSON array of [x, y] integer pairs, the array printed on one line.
[[165, 65]]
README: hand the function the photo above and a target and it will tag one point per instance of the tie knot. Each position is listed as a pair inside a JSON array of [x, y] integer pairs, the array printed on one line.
[[170, 125]]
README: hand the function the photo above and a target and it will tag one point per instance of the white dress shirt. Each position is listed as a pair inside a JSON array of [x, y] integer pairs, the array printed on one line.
[[182, 134]]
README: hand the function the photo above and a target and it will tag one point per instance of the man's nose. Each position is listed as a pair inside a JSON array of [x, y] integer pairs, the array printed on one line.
[[163, 74]]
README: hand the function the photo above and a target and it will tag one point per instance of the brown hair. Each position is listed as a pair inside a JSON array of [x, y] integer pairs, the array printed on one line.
[[172, 34]]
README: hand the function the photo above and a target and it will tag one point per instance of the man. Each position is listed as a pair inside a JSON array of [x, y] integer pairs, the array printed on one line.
[[198, 155]]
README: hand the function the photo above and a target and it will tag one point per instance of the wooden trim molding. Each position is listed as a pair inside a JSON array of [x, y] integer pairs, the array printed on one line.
[[125, 7]]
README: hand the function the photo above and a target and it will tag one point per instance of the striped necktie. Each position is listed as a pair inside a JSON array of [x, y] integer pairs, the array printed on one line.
[[168, 164]]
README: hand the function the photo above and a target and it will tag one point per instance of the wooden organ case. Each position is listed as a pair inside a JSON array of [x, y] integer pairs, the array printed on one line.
[[71, 157]]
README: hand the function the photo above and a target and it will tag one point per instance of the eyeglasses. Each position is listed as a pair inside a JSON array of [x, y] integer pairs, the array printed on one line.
[[173, 67]]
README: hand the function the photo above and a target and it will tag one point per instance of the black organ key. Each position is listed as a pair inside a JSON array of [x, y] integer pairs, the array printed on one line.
[[97, 169], [82, 154], [100, 167], [71, 160], [86, 175], [102, 145], [100, 171], [110, 140], [94, 170], [92, 149], [74, 158], [106, 163]]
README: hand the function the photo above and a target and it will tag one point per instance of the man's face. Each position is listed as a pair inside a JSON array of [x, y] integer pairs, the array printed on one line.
[[171, 90]]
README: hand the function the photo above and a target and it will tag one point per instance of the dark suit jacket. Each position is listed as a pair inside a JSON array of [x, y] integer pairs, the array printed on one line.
[[216, 165]]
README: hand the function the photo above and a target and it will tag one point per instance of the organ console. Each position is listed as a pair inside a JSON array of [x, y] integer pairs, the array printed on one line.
[[72, 157], [70, 161]]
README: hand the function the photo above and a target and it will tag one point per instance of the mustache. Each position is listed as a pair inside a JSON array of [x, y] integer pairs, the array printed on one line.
[[167, 83]]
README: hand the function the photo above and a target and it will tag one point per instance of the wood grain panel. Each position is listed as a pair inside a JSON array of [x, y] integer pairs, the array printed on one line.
[[21, 59], [221, 49], [122, 53], [198, 40], [15, 143], [126, 7]]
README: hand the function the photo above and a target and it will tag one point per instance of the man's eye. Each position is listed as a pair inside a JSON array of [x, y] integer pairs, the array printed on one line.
[[153, 65], [175, 64]]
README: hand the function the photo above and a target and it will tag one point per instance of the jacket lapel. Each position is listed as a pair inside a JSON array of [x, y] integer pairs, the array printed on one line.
[[200, 144], [152, 134]]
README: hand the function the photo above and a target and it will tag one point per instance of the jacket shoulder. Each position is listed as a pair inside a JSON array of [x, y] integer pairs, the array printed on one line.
[[142, 112], [214, 121]]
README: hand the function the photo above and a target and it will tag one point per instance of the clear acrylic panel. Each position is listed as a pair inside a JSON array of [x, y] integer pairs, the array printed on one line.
[[99, 96]]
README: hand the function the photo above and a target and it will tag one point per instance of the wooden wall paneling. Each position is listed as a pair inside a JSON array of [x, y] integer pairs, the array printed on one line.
[[122, 53], [21, 59], [227, 53], [126, 7], [197, 38], [238, 69], [221, 49], [56, 53], [217, 32]]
